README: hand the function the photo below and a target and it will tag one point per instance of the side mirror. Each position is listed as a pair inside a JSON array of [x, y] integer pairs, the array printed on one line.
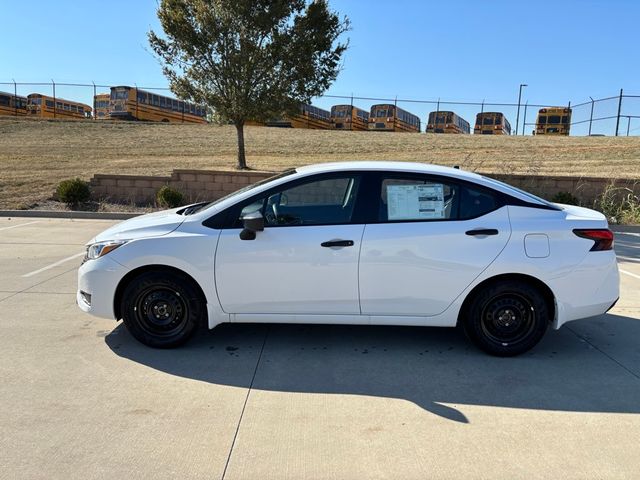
[[253, 222]]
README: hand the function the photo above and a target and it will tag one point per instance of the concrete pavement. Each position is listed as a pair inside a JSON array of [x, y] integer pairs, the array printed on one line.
[[81, 399]]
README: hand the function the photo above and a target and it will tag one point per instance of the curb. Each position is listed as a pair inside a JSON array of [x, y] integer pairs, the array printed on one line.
[[68, 214], [625, 228]]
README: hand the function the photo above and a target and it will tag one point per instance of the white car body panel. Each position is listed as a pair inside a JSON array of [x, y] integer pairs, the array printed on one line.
[[286, 270], [420, 268], [422, 277], [149, 225]]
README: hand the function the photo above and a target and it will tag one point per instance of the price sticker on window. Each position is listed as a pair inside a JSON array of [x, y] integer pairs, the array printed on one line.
[[415, 202]]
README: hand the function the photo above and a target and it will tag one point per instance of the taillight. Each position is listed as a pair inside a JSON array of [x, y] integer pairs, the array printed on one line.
[[602, 238]]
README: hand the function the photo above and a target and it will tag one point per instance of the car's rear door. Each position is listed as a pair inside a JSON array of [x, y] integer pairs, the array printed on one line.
[[305, 261], [432, 238]]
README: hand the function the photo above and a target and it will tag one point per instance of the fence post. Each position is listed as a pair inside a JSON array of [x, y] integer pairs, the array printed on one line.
[[136, 85], [95, 115], [54, 99], [524, 118], [15, 98], [619, 110], [591, 115]]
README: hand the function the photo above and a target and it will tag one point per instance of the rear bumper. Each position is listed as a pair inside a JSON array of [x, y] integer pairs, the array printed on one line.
[[591, 289]]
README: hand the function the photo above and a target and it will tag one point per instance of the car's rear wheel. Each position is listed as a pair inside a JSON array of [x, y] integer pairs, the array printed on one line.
[[162, 309], [506, 318]]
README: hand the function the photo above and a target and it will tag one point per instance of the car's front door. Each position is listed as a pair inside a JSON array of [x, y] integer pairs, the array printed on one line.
[[305, 261], [432, 238]]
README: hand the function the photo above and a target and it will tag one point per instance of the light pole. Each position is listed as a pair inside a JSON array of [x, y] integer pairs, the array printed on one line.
[[519, 98]]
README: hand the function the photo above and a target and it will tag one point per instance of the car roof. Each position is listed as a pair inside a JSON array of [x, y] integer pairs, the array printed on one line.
[[387, 166]]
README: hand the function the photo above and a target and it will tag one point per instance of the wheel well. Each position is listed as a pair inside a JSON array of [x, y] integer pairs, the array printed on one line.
[[538, 284], [117, 300]]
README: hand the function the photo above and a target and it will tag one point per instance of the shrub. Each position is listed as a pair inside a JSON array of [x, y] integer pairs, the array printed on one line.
[[169, 197], [619, 205], [567, 198], [73, 191]]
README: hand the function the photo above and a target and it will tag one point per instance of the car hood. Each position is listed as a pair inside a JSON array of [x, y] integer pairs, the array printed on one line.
[[150, 225]]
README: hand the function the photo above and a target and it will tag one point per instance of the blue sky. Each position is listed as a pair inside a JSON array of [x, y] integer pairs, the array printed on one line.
[[565, 50]]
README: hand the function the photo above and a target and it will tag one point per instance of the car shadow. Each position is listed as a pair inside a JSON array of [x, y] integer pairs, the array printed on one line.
[[435, 368]]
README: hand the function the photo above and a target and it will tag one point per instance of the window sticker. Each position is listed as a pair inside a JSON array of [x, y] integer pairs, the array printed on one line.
[[415, 202]]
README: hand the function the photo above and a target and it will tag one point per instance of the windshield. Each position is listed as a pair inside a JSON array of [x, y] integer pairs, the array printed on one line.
[[522, 192], [201, 206]]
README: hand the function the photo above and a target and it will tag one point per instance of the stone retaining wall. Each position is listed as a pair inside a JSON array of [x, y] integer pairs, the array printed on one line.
[[200, 185]]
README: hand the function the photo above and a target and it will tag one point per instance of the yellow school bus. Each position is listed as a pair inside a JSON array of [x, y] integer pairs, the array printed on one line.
[[553, 121], [130, 103], [44, 106], [101, 104], [12, 105], [387, 117], [447, 122], [492, 123], [309, 117], [348, 117]]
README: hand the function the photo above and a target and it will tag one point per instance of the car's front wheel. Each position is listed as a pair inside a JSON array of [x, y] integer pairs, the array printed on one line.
[[506, 318], [162, 309]]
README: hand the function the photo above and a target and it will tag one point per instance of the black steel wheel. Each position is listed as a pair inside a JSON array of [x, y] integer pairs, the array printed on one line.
[[506, 318], [162, 309]]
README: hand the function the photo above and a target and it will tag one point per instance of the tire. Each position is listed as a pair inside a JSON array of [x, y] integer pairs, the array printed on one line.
[[506, 318], [162, 309]]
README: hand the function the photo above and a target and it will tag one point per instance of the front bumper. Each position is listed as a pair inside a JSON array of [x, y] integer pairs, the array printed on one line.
[[97, 283]]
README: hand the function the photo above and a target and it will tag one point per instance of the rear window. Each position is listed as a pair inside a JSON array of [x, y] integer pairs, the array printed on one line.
[[531, 196]]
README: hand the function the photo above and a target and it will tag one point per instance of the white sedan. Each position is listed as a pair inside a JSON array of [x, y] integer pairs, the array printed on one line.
[[371, 243]]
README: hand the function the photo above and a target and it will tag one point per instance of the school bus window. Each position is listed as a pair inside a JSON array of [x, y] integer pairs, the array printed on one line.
[[554, 119], [565, 119]]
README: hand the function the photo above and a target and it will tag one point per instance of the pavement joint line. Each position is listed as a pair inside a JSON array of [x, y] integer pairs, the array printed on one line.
[[20, 225], [55, 264], [629, 273], [39, 283], [604, 353], [246, 399]]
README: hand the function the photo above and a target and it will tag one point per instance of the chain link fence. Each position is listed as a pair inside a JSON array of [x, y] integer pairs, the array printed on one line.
[[618, 114]]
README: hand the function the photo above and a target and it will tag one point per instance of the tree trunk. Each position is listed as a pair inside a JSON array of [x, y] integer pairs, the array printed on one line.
[[242, 161]]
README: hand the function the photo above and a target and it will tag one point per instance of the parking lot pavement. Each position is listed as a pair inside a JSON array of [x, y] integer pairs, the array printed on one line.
[[81, 399]]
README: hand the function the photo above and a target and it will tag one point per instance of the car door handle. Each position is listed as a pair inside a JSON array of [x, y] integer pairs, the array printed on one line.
[[337, 243], [482, 231]]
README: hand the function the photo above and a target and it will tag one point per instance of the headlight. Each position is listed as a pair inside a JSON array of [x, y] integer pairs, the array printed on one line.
[[99, 249]]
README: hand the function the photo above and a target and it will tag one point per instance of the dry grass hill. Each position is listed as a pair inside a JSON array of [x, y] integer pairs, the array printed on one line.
[[35, 154]]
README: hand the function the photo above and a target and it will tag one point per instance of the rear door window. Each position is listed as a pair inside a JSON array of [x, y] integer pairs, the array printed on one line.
[[422, 198]]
